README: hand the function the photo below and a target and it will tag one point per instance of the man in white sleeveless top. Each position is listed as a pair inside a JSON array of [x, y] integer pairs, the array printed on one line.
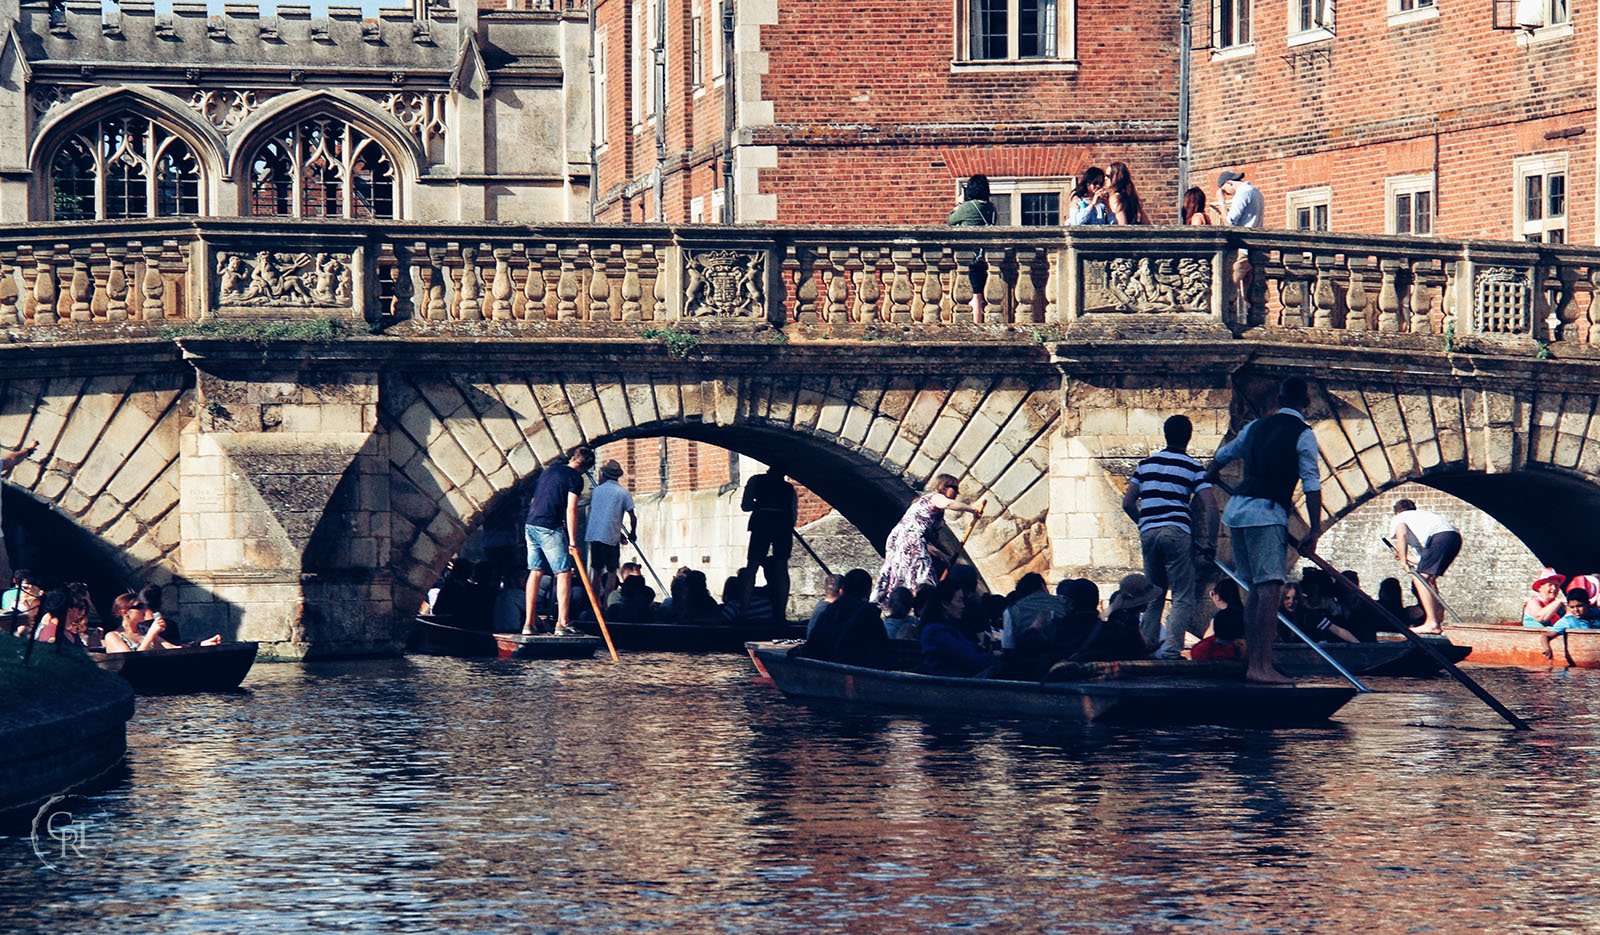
[[1436, 543]]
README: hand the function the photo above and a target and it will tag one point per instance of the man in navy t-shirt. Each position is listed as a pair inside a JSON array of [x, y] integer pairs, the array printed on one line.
[[552, 527]]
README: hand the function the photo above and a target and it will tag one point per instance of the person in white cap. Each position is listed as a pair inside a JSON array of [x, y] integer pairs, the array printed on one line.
[[607, 505]]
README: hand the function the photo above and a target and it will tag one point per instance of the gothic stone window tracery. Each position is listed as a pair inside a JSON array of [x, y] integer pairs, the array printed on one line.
[[126, 166], [322, 167]]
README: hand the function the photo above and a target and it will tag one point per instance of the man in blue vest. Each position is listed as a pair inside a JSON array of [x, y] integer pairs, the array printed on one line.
[[1278, 451]]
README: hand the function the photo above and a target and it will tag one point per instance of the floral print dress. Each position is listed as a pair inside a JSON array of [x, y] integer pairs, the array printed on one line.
[[906, 563]]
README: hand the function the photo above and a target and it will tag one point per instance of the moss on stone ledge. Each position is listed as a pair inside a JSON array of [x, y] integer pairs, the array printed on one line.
[[303, 329], [46, 686]]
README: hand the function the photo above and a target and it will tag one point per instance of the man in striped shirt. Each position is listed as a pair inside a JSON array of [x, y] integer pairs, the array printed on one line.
[[1160, 495]]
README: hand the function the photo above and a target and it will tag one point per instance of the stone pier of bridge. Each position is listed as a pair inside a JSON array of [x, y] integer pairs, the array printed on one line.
[[298, 427]]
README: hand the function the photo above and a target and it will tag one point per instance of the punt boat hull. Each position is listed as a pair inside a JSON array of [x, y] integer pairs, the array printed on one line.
[[693, 637], [1149, 700], [432, 636], [1392, 658], [180, 671], [1501, 644], [545, 646]]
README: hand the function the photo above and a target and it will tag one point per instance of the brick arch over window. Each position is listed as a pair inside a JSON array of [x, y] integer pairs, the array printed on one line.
[[324, 154], [1529, 458], [865, 444], [132, 152]]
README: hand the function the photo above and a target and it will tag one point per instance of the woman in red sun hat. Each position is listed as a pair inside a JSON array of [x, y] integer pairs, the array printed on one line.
[[1544, 606]]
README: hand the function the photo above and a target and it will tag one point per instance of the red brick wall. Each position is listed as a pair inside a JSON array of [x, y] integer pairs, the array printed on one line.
[[1372, 107], [690, 466]]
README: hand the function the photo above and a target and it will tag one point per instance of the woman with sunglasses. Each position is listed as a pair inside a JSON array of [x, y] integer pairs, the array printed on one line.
[[132, 635], [909, 553]]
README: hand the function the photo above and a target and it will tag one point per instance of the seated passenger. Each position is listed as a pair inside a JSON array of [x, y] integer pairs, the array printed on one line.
[[1581, 614], [691, 598], [830, 593], [150, 596], [1360, 618], [132, 635], [55, 612], [1545, 605], [22, 598], [901, 624], [947, 648], [1226, 640], [1120, 637], [733, 604], [851, 629], [634, 601], [1032, 600], [1316, 614], [1051, 638]]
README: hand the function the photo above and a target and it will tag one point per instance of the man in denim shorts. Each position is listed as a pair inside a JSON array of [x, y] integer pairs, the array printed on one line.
[[1278, 451], [552, 527]]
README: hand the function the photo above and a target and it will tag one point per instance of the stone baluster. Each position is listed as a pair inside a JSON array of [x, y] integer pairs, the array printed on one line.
[[1356, 299], [994, 286], [500, 287], [402, 307], [1389, 296], [900, 286], [1586, 319], [805, 286], [599, 285], [100, 266], [130, 272], [567, 288], [9, 314], [44, 289], [471, 306], [533, 284], [869, 288], [1421, 298], [82, 286], [1323, 298], [838, 289], [933, 287], [1292, 291], [961, 287], [1563, 319], [154, 287], [1026, 295], [1052, 289], [433, 277], [632, 289], [117, 283], [658, 288]]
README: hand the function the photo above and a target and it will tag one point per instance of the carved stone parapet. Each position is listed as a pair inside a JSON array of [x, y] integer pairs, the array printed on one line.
[[725, 284], [1147, 284], [284, 280]]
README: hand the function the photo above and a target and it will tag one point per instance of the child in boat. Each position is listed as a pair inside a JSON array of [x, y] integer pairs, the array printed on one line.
[[1580, 615], [901, 624], [1545, 604], [1226, 640]]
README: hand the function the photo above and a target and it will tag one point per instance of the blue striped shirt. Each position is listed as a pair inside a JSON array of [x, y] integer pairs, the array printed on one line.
[[1167, 481]]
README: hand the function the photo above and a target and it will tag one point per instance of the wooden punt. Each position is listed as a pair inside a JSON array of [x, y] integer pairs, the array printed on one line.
[[546, 646], [1394, 658], [433, 636], [1511, 644], [708, 637], [1144, 693], [179, 671]]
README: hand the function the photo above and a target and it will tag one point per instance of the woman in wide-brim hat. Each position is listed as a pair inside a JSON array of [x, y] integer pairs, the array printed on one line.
[[1544, 606]]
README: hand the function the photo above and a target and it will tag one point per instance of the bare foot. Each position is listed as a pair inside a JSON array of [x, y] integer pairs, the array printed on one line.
[[1268, 677], [213, 641], [1424, 629]]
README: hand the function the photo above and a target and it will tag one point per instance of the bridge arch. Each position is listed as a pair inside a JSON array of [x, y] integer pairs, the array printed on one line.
[[865, 443]]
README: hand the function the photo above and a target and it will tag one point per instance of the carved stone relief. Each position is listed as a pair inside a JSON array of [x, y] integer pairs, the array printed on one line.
[[284, 280], [1147, 284], [225, 109], [724, 284], [421, 112], [47, 96]]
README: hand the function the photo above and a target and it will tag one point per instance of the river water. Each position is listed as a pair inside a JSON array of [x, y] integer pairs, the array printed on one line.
[[680, 794]]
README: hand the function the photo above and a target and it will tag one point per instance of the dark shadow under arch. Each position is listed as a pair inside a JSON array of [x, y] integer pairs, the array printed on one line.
[[58, 550]]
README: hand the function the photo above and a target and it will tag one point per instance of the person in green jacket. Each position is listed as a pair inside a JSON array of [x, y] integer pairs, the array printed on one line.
[[976, 210]]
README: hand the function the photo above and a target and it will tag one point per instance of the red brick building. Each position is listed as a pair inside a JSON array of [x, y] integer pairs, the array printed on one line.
[[829, 112], [1403, 116]]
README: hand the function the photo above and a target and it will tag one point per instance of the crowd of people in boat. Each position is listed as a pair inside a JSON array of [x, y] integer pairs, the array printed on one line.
[[63, 615], [1557, 603]]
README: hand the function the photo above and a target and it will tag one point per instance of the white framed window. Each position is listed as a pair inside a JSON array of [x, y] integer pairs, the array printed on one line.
[[1310, 21], [1411, 11], [1309, 209], [717, 202], [995, 32], [1541, 198], [602, 89], [1408, 205], [697, 209], [697, 48], [1037, 202], [644, 72], [1230, 28], [717, 70], [1542, 20]]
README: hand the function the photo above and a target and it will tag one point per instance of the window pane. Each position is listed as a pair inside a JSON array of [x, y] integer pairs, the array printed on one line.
[[1305, 15], [1402, 214], [1242, 28], [1424, 206], [1302, 219], [1036, 28], [1041, 209], [1556, 236], [1558, 12], [1533, 198], [72, 181], [1320, 218], [1002, 210], [697, 50], [989, 28], [1556, 195], [177, 181]]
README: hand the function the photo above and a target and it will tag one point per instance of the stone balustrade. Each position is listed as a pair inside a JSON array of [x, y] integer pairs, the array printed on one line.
[[997, 281]]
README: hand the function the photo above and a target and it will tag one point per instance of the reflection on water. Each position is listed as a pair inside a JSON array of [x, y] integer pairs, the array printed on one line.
[[678, 793]]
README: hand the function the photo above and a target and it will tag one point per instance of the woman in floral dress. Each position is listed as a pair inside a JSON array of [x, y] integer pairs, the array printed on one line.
[[908, 555]]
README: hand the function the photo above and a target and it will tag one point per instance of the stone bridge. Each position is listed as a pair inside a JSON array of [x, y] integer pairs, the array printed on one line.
[[298, 425]]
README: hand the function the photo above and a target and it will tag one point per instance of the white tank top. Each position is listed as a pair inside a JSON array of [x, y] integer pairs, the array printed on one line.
[[1422, 525]]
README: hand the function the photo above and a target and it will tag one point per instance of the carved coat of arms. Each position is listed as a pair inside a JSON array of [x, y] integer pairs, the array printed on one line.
[[724, 284]]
